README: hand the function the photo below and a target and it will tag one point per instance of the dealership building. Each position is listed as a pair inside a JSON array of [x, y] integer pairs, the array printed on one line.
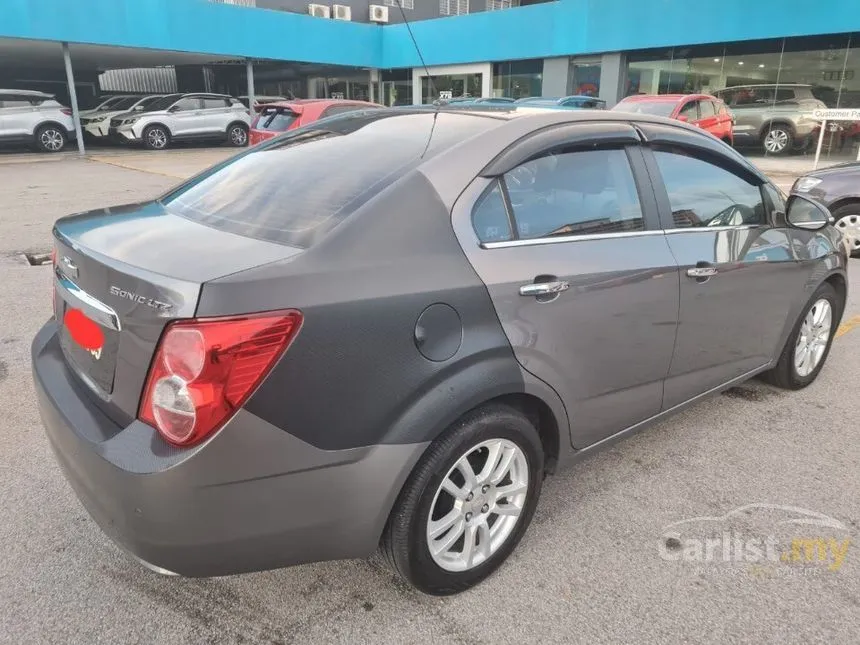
[[362, 50]]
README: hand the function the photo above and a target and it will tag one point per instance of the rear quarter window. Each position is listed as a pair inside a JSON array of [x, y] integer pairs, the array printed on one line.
[[276, 119], [295, 189]]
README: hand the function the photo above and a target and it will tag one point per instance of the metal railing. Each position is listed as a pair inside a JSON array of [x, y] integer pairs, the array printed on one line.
[[240, 3]]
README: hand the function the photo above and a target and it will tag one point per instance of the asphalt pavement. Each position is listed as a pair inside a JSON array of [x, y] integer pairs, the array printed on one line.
[[600, 563]]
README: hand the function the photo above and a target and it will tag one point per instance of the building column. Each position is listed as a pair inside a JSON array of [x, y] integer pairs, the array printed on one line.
[[373, 79], [556, 75], [249, 73], [613, 77], [73, 98]]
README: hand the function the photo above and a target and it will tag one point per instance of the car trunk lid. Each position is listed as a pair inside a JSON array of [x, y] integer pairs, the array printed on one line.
[[131, 270]]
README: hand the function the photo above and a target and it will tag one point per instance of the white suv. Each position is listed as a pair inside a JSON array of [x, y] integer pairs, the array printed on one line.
[[35, 118], [96, 123], [183, 117]]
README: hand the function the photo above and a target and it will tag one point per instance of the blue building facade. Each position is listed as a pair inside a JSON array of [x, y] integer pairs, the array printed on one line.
[[611, 48]]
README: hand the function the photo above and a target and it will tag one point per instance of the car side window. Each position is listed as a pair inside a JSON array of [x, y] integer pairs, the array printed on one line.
[[580, 192], [690, 110], [702, 194], [706, 109], [187, 104], [213, 103], [775, 198]]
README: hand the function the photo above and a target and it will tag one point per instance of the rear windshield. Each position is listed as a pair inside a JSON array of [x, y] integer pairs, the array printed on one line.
[[301, 185], [276, 119], [657, 108]]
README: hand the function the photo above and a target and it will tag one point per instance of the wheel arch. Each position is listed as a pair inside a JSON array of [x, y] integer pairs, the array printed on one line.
[[777, 121], [838, 282], [45, 124], [157, 124], [845, 201], [238, 122]]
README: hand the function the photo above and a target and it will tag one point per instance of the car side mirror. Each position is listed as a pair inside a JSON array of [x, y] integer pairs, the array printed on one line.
[[806, 214]]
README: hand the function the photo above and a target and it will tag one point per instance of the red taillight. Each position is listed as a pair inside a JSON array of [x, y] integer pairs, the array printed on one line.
[[66, 111], [205, 369]]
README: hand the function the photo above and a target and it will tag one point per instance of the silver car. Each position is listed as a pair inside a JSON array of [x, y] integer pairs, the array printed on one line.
[[385, 329], [777, 118], [184, 117], [35, 118]]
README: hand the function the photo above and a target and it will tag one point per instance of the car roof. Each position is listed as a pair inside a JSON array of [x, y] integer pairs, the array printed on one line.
[[786, 85], [32, 93]]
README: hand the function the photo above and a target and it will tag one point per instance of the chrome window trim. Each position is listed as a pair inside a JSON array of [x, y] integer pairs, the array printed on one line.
[[706, 229], [96, 309], [568, 238], [609, 236]]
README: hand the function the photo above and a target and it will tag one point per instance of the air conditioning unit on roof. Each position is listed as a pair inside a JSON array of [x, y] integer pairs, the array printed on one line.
[[342, 12], [319, 10], [378, 13]]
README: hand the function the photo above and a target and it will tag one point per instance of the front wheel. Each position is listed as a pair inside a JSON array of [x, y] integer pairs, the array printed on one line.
[[156, 137], [809, 343], [848, 221], [468, 502], [778, 140], [237, 135]]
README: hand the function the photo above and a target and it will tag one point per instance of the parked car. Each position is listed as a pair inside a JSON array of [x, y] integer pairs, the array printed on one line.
[[97, 123], [838, 188], [702, 110], [583, 102], [777, 118], [184, 117], [36, 119], [486, 100], [107, 104], [359, 333], [276, 118]]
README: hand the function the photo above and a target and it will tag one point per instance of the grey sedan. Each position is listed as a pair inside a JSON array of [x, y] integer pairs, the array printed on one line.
[[838, 188], [384, 330]]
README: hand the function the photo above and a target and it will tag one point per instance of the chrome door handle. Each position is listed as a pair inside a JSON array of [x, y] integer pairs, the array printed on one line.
[[702, 272], [544, 288]]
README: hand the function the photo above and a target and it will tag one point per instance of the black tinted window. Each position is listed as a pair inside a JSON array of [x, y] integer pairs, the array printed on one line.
[[188, 103], [276, 119], [341, 109], [574, 193], [211, 103], [702, 194], [12, 102], [163, 103], [690, 110], [298, 187], [490, 218]]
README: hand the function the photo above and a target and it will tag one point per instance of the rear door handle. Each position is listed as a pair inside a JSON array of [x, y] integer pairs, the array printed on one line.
[[544, 288], [701, 272]]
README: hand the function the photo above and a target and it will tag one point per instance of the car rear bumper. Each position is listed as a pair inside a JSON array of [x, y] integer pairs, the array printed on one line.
[[253, 497], [257, 136]]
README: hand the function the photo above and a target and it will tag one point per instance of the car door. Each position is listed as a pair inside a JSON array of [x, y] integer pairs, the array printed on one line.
[[688, 111], [569, 245], [17, 116], [217, 111], [737, 269], [186, 117], [708, 118]]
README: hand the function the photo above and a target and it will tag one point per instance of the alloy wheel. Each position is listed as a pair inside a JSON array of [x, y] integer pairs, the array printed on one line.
[[238, 136], [51, 139], [813, 337], [157, 138], [850, 227], [776, 141], [477, 505]]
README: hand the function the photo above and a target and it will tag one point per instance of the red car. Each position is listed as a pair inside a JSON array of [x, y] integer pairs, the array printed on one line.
[[706, 111], [275, 118]]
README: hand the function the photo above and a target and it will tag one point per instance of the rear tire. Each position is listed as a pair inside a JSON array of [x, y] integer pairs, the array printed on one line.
[[423, 502], [791, 372], [848, 221], [51, 138], [777, 139], [237, 135], [156, 137]]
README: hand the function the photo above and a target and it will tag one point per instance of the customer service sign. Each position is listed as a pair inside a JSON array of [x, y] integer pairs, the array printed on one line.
[[837, 115]]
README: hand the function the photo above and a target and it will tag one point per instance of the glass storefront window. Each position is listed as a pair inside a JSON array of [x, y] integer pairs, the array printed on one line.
[[450, 86], [585, 78], [518, 79], [762, 82], [396, 87]]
